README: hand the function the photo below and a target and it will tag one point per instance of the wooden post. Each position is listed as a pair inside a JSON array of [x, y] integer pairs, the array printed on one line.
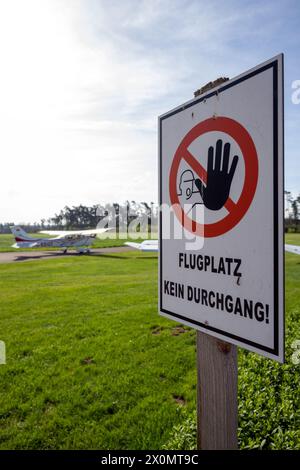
[[217, 372], [217, 407]]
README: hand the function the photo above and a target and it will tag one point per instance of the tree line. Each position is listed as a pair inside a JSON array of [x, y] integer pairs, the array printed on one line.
[[88, 217], [292, 212]]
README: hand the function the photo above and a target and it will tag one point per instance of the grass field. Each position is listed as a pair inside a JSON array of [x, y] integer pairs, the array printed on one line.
[[91, 365], [292, 238]]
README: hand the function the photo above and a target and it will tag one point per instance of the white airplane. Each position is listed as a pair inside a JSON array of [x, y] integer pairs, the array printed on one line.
[[152, 245], [293, 249], [147, 245], [81, 240]]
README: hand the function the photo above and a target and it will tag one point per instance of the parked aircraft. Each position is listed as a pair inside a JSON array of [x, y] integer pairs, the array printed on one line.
[[293, 249], [152, 245], [80, 240], [147, 245]]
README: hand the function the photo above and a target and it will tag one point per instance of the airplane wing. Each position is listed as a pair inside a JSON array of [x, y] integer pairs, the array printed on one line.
[[293, 249], [25, 245], [137, 246], [62, 233], [147, 245]]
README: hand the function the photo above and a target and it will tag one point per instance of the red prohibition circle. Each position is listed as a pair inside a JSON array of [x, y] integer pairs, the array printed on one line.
[[237, 210]]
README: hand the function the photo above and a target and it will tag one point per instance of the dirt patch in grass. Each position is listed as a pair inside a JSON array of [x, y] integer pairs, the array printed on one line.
[[178, 330], [180, 400]]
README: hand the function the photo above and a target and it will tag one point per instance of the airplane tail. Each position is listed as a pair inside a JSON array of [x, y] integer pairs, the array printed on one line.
[[20, 234]]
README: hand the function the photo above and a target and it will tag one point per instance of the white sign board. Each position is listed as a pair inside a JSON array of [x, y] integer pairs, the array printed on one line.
[[221, 173]]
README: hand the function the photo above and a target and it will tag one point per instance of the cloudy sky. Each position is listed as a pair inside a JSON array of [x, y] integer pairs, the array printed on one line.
[[83, 81]]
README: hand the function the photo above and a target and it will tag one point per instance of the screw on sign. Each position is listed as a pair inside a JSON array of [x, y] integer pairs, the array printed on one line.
[[214, 183]]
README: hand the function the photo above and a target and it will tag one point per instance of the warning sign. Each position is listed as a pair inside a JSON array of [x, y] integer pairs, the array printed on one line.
[[221, 176]]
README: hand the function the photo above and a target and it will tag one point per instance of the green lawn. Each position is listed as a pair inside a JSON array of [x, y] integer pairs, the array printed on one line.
[[292, 238], [90, 363]]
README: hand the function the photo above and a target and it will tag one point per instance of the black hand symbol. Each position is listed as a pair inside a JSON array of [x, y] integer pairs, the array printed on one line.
[[219, 179]]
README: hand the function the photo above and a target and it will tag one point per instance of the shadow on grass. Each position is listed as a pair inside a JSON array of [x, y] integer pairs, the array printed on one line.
[[43, 256], [93, 254], [104, 255], [114, 256]]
